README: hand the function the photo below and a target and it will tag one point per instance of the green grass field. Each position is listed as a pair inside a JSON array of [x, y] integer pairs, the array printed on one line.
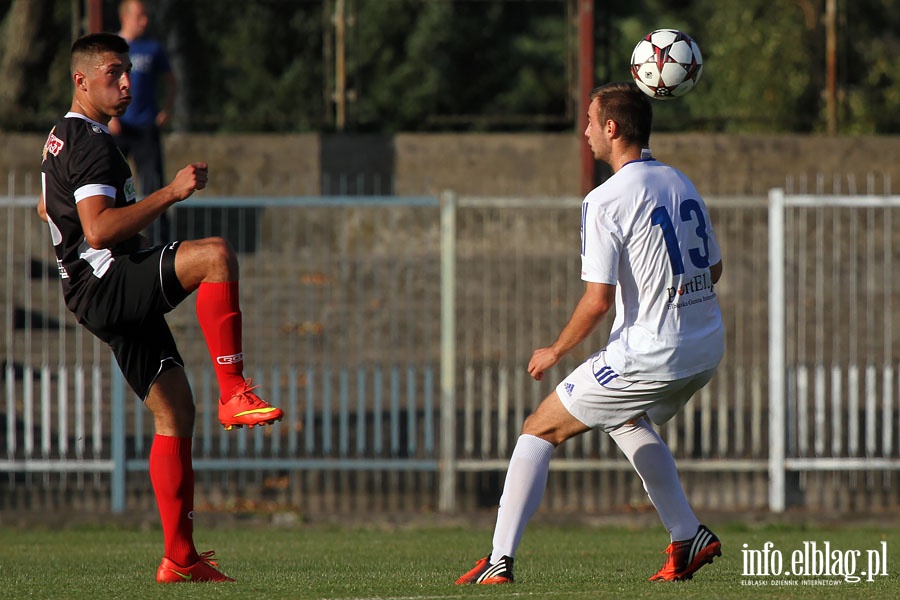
[[414, 562]]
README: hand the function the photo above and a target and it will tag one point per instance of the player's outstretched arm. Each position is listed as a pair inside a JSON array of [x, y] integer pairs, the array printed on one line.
[[105, 225], [597, 300]]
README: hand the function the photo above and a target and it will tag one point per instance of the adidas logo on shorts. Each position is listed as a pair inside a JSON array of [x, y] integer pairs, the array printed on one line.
[[569, 387]]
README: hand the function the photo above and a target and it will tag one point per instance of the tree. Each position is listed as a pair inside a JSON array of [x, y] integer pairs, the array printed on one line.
[[266, 67], [425, 65], [29, 33], [760, 67], [460, 65], [869, 80], [175, 25]]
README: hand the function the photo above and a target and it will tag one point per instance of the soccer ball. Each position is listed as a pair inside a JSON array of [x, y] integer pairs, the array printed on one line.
[[666, 64]]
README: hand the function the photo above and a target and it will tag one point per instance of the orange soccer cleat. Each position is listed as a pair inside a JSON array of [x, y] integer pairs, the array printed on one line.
[[485, 573], [203, 570], [687, 556], [246, 408]]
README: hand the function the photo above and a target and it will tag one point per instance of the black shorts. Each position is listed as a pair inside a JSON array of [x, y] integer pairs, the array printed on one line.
[[127, 312]]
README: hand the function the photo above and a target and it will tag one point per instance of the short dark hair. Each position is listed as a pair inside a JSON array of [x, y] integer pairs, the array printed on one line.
[[631, 109], [96, 43]]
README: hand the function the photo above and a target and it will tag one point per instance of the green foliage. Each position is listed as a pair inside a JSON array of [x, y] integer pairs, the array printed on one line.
[[431, 65], [265, 66], [868, 73], [396, 61], [537, 84], [46, 88], [760, 71], [425, 65]]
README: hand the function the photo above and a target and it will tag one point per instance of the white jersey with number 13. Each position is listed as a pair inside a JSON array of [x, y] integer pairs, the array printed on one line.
[[647, 231]]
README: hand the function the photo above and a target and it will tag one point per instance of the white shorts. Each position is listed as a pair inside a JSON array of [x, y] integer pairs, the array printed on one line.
[[598, 397]]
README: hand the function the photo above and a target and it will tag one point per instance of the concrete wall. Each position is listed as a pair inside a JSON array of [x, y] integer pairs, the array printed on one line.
[[490, 164]]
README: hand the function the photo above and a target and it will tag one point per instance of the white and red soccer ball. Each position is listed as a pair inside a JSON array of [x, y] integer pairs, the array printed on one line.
[[666, 64]]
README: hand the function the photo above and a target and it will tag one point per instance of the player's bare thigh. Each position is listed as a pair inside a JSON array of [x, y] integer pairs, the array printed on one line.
[[206, 260], [552, 422]]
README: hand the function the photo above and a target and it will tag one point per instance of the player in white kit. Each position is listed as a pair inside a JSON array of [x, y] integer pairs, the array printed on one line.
[[647, 248]]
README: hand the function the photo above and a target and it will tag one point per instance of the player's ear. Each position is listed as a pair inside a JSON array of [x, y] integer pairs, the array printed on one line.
[[612, 128], [80, 80]]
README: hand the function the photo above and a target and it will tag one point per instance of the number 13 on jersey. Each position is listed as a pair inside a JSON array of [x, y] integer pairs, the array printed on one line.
[[689, 212]]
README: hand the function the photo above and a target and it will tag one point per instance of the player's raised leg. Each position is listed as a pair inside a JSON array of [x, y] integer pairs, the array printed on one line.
[[210, 266]]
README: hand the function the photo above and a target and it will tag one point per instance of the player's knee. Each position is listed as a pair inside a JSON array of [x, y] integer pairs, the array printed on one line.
[[540, 428], [222, 256], [220, 249]]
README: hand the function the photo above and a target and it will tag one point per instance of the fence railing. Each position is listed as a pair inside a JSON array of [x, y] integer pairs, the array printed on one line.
[[833, 353], [395, 333], [341, 322]]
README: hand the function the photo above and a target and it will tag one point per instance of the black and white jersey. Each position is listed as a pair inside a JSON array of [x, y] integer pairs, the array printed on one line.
[[81, 160]]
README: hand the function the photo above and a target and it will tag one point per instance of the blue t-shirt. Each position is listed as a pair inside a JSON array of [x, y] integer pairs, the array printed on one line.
[[148, 62]]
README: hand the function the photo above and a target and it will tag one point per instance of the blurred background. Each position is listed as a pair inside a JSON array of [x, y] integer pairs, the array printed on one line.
[[294, 66], [382, 165]]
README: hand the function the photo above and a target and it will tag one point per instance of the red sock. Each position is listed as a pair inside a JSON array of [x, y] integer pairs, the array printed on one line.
[[219, 313], [172, 476]]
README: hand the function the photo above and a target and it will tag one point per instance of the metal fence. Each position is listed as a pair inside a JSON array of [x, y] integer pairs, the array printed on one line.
[[833, 358], [394, 332], [341, 312]]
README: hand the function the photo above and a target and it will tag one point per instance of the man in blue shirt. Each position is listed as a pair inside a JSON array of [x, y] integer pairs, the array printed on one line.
[[137, 132]]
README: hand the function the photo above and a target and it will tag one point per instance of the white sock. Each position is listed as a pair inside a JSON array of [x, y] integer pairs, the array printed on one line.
[[523, 490], [653, 461]]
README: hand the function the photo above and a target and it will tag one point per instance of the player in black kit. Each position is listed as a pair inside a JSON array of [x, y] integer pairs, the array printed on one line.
[[120, 289]]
